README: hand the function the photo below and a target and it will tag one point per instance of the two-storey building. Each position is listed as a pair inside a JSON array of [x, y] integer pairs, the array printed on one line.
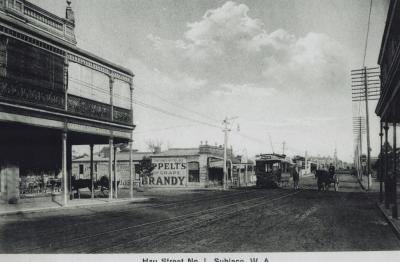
[[388, 105], [53, 95]]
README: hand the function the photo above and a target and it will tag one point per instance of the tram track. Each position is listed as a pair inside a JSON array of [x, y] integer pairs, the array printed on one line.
[[206, 218], [176, 224], [49, 234], [128, 208]]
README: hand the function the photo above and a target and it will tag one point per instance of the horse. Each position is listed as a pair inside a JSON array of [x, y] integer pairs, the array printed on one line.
[[104, 184], [324, 179], [82, 183]]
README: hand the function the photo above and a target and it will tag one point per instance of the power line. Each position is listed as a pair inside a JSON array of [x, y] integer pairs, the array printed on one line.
[[144, 105], [104, 91], [162, 129], [257, 140], [366, 38], [178, 106]]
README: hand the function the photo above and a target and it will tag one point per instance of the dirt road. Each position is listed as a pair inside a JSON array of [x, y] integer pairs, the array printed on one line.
[[210, 221]]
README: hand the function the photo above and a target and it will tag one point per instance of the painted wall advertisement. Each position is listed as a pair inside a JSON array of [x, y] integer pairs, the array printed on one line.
[[168, 172]]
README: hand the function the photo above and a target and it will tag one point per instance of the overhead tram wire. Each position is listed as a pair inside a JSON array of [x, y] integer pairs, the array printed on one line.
[[366, 38], [178, 106], [163, 129], [360, 71], [251, 138], [366, 47], [144, 105]]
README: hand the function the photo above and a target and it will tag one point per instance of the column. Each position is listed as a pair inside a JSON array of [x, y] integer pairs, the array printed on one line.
[[131, 166], [386, 165], [131, 93], [381, 166], [111, 83], [115, 172], [64, 166], [394, 181], [245, 175], [66, 65], [130, 170], [69, 168], [110, 168], [91, 169]]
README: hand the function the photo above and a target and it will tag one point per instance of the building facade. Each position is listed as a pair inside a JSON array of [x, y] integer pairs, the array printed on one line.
[[198, 167], [53, 95], [388, 106]]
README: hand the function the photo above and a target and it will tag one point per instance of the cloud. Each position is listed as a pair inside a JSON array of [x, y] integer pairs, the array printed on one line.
[[229, 63], [226, 44], [250, 90], [312, 62], [151, 83], [221, 28]]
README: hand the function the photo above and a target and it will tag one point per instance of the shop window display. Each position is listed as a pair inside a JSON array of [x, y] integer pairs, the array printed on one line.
[[194, 172], [38, 184]]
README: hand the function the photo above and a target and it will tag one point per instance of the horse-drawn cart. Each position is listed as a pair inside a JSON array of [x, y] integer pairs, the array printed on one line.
[[102, 185], [325, 180]]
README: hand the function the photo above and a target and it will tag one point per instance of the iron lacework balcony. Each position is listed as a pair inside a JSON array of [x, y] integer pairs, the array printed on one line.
[[35, 73]]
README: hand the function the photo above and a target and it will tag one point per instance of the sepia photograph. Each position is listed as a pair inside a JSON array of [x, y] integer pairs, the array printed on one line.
[[199, 130]]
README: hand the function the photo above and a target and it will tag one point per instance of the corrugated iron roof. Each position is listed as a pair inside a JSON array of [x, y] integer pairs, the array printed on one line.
[[124, 156], [179, 152]]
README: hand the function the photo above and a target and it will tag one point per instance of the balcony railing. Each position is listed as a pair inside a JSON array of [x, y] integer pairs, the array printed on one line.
[[122, 115], [88, 108], [34, 73], [46, 21], [42, 97]]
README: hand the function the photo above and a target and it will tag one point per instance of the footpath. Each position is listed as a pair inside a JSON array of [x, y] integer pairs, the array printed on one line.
[[386, 212], [374, 186], [44, 204]]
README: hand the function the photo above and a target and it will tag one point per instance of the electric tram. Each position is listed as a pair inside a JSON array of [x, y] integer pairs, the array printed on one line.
[[272, 170]]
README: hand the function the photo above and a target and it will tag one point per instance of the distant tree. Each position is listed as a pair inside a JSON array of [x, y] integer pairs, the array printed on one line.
[[145, 167], [154, 145]]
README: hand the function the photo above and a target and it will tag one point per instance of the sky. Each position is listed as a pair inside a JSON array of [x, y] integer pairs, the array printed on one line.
[[281, 67]]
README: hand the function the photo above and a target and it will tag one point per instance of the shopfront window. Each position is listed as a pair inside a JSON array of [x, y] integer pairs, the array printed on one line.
[[194, 172], [81, 169], [35, 183]]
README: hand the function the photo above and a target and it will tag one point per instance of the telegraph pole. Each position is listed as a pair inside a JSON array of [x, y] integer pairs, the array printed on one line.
[[283, 147], [361, 168], [358, 130], [366, 86], [367, 122], [226, 128]]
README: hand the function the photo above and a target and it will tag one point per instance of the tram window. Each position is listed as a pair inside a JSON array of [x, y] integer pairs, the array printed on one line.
[[268, 167]]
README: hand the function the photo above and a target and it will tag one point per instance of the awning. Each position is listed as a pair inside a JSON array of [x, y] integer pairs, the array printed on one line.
[[214, 163]]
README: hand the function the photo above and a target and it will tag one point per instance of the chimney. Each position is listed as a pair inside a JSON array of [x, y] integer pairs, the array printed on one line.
[[157, 149], [69, 14]]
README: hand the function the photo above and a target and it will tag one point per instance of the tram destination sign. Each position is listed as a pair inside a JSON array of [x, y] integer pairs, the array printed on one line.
[[168, 172]]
